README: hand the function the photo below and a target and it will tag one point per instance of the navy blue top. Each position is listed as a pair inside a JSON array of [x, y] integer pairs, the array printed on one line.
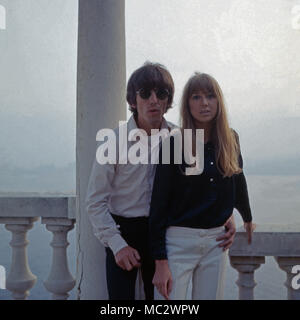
[[196, 201]]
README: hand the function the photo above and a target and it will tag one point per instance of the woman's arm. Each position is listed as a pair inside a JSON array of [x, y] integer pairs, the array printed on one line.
[[242, 203], [159, 209], [160, 202]]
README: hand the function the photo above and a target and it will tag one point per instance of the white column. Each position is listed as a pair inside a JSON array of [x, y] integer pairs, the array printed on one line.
[[101, 103], [60, 280], [246, 267], [20, 279], [286, 264]]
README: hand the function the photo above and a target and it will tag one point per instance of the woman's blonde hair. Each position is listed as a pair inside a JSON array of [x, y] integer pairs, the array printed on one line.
[[223, 138]]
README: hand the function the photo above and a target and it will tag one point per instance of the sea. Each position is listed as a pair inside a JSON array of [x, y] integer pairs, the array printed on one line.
[[273, 199]]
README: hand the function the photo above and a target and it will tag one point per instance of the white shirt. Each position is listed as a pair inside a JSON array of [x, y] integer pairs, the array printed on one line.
[[121, 189]]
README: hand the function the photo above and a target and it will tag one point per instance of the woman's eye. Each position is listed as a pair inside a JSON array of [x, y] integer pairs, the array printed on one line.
[[210, 96], [196, 97]]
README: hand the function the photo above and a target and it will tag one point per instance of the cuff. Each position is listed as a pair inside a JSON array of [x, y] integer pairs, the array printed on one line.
[[116, 243]]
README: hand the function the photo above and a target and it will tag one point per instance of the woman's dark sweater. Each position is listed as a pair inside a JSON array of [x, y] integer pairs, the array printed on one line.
[[202, 201]]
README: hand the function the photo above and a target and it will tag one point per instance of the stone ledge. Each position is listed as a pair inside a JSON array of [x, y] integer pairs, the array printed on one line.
[[268, 240], [52, 206]]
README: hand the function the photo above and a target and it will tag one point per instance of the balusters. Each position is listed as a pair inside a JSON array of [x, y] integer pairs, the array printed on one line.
[[60, 281], [20, 279]]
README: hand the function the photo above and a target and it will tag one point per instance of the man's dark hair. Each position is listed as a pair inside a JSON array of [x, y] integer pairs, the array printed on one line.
[[150, 75]]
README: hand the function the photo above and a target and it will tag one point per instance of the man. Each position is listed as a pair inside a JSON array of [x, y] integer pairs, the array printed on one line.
[[119, 195]]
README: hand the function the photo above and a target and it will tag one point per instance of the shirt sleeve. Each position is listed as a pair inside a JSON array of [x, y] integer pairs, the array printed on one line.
[[161, 194], [242, 203], [97, 198]]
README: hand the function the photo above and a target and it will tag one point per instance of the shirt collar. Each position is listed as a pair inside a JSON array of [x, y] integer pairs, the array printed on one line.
[[132, 125]]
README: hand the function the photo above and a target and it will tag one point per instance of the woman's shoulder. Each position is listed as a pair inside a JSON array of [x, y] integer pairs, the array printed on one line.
[[235, 134]]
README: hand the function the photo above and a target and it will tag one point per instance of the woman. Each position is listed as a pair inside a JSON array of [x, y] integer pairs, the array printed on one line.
[[188, 212]]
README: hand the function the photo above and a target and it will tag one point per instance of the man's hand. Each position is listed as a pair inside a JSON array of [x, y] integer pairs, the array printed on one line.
[[162, 279], [249, 227], [228, 237], [128, 258]]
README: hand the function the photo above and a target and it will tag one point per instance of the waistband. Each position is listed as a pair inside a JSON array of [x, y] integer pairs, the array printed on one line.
[[120, 219], [184, 231]]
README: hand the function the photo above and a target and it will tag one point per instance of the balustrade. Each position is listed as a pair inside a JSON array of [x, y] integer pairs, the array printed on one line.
[[278, 241], [19, 214]]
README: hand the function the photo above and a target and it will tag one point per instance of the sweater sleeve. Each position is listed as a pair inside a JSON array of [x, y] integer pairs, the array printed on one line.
[[242, 203], [161, 195]]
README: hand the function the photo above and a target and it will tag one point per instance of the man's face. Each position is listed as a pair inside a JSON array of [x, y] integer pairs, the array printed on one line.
[[151, 104]]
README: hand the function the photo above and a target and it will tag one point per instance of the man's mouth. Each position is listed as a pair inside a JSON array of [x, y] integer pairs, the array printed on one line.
[[153, 110]]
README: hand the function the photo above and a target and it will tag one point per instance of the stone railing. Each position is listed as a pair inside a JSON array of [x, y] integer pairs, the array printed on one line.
[[18, 214], [279, 241]]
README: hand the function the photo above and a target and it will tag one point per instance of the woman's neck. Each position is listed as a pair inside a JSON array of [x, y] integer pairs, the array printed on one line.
[[207, 127]]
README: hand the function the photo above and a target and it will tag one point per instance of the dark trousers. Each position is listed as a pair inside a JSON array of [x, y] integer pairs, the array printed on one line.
[[121, 283]]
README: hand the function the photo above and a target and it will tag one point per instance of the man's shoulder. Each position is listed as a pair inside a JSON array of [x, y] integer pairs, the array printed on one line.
[[171, 125], [122, 126]]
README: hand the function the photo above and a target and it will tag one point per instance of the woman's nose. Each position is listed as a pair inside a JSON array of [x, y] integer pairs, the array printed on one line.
[[205, 101]]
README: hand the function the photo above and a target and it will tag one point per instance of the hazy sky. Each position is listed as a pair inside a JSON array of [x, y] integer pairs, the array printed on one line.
[[249, 46], [38, 53]]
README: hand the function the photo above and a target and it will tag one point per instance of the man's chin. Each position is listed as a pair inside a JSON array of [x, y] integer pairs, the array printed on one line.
[[154, 120]]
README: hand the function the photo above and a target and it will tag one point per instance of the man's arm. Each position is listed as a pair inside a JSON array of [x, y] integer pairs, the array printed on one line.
[[104, 226], [228, 237]]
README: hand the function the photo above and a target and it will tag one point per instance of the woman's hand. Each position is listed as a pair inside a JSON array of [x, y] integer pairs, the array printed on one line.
[[249, 227], [162, 279]]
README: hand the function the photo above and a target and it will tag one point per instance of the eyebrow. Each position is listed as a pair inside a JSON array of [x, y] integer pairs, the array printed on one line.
[[197, 94]]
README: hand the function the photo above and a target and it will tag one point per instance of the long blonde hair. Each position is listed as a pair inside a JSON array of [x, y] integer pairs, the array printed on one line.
[[223, 138]]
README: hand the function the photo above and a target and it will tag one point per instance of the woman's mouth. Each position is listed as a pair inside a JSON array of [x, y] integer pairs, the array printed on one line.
[[205, 113]]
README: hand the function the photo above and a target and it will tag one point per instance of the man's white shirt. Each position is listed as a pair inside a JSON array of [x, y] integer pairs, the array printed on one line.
[[121, 189]]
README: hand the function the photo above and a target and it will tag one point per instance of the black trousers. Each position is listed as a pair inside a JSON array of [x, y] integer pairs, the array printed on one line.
[[121, 283]]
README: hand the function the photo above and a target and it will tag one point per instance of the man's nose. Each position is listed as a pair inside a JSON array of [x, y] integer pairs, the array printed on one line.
[[153, 97]]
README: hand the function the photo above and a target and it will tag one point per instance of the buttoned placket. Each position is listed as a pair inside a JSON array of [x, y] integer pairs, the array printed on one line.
[[150, 169], [211, 167]]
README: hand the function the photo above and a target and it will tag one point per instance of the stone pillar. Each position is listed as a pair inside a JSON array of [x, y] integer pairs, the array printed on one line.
[[20, 278], [246, 267], [101, 103], [60, 281], [286, 264]]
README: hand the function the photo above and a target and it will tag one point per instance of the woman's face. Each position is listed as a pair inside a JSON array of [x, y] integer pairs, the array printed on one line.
[[203, 107]]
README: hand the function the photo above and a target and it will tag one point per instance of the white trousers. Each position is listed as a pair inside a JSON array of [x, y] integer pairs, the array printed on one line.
[[195, 259]]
